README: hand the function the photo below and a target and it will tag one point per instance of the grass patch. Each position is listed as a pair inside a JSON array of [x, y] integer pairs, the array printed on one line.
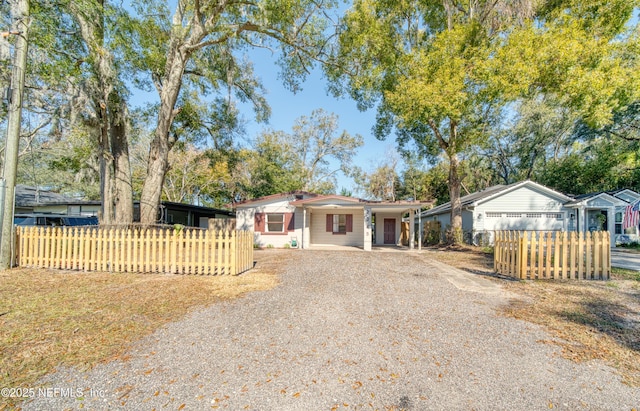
[[624, 274], [52, 318], [589, 319]]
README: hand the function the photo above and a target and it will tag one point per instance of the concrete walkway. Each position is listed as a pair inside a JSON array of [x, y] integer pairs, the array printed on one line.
[[625, 259]]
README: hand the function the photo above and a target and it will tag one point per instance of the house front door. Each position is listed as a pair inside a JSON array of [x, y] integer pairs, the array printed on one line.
[[389, 230]]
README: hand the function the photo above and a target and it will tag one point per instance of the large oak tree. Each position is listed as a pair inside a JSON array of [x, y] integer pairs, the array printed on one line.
[[202, 42], [440, 71]]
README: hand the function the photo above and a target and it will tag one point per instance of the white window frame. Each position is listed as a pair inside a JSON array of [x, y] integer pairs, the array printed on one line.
[[339, 227], [619, 215], [268, 216]]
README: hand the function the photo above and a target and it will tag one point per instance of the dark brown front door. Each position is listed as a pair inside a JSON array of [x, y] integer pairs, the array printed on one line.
[[389, 230]]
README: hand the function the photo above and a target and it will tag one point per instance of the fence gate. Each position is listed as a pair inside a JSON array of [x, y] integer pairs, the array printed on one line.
[[553, 255]]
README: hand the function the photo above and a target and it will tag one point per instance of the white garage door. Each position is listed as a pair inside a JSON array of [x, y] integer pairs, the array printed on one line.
[[524, 221]]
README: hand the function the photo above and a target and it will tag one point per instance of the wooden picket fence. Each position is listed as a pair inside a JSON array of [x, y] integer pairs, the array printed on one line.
[[136, 250], [553, 255]]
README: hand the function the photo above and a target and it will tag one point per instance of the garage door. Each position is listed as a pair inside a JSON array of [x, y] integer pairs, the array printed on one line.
[[524, 221]]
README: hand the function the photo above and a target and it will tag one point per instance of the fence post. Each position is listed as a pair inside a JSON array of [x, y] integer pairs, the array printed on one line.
[[233, 250], [597, 244], [497, 247], [522, 255], [606, 251]]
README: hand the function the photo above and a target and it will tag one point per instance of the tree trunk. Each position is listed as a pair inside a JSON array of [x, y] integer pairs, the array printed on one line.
[[115, 172], [122, 166], [162, 142], [106, 168], [456, 206]]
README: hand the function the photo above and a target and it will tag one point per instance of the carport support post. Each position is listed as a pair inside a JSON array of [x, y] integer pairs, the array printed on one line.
[[367, 228], [306, 232], [420, 229], [412, 229]]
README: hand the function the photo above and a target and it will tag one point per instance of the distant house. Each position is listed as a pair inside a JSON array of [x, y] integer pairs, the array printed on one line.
[[527, 205], [34, 200], [306, 220], [603, 210]]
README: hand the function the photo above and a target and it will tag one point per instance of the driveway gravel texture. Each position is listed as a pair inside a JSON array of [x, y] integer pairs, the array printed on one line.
[[355, 330]]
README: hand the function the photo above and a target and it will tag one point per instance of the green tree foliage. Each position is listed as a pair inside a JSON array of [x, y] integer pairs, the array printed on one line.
[[441, 72], [540, 130], [74, 88], [200, 46], [598, 165], [307, 159], [425, 62]]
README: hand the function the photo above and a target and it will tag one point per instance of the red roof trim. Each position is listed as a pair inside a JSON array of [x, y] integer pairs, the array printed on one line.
[[274, 196], [327, 197]]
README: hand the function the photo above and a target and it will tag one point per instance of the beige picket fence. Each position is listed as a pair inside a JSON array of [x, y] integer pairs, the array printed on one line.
[[136, 250], [553, 255]]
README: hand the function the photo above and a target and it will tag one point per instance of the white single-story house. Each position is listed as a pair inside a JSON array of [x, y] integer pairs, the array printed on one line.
[[305, 220], [527, 205]]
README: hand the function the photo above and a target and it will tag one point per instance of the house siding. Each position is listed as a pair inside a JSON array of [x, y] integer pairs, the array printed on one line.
[[245, 220], [320, 236], [522, 199], [522, 209]]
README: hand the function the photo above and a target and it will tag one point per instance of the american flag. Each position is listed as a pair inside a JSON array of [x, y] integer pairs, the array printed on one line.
[[631, 215]]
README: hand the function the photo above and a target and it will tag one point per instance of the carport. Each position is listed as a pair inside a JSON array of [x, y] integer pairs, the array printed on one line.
[[346, 221]]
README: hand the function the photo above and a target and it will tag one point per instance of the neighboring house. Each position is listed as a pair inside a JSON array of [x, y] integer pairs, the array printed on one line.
[[33, 200], [527, 205], [605, 210], [305, 220]]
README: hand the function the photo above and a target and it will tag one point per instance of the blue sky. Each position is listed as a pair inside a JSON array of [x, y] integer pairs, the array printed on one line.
[[286, 107]]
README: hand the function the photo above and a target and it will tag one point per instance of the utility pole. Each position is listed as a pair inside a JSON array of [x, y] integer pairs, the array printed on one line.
[[20, 29]]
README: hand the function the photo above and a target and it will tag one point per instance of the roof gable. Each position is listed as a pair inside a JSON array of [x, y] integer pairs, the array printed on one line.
[[596, 200], [493, 192], [626, 194]]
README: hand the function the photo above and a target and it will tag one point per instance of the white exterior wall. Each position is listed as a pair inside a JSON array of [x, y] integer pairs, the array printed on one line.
[[319, 235], [245, 220], [380, 227], [523, 199], [522, 209]]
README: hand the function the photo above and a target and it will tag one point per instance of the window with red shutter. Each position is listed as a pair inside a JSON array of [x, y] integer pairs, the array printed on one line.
[[258, 224], [339, 223], [290, 219]]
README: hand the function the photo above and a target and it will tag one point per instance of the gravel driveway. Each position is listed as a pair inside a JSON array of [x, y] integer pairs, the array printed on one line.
[[350, 330]]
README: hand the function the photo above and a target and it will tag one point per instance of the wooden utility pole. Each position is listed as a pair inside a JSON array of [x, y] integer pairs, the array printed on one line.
[[20, 15]]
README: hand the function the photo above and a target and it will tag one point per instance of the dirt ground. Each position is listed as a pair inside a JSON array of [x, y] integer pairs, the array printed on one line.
[[592, 319]]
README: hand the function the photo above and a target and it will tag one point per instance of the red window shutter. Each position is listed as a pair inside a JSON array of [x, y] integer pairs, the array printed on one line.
[[258, 224], [329, 223], [289, 221], [349, 223]]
